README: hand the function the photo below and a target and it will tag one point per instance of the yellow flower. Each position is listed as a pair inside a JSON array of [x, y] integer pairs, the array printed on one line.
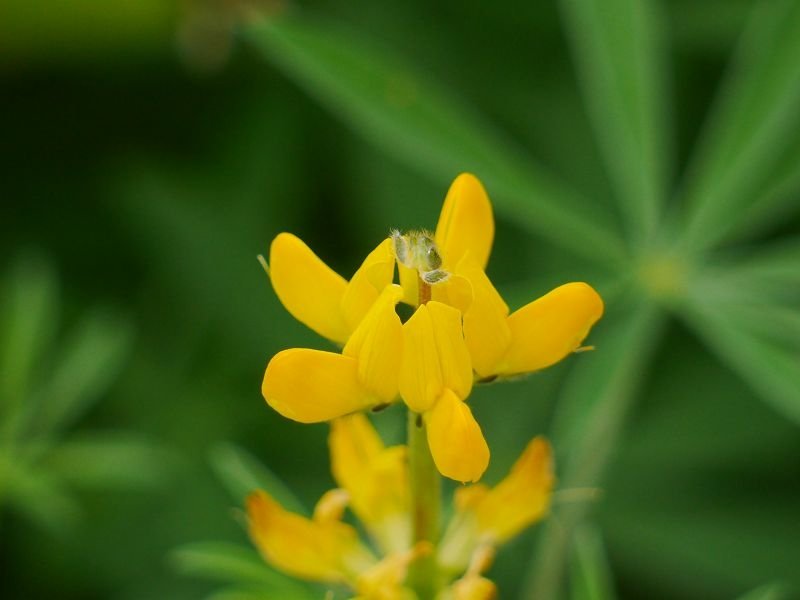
[[376, 479], [324, 549], [502, 343], [461, 329], [491, 516]]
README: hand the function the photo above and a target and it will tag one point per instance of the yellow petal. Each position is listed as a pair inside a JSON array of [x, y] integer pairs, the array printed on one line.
[[377, 345], [376, 479], [328, 551], [434, 356], [550, 328], [455, 439], [452, 350], [307, 287], [466, 222], [375, 273], [331, 506], [522, 498], [409, 279], [474, 587], [455, 292], [486, 331], [311, 386]]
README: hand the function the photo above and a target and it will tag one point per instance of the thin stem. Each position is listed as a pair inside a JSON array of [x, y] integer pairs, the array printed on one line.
[[426, 495]]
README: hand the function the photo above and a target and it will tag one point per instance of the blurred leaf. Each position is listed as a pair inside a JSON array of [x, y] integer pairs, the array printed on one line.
[[429, 129], [27, 326], [751, 127], [239, 594], [591, 575], [37, 494], [771, 368], [86, 368], [772, 591], [592, 410], [108, 460], [618, 49], [224, 561], [242, 474]]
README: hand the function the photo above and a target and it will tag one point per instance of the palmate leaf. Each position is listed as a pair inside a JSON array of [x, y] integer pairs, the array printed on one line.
[[755, 351], [619, 54], [751, 131], [591, 577], [85, 368], [429, 129], [591, 415]]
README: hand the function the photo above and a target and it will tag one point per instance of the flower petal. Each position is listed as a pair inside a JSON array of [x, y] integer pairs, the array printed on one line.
[[321, 551], [474, 587], [377, 345], [375, 477], [466, 222], [522, 498], [452, 350], [310, 290], [455, 439], [486, 331], [455, 292], [434, 356], [548, 329], [409, 279], [311, 386], [375, 273]]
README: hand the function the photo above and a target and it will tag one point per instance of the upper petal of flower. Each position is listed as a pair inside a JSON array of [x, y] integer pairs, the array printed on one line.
[[310, 290], [377, 344], [328, 551], [435, 356], [376, 479], [374, 274], [486, 330], [455, 439], [466, 222], [548, 329], [519, 500], [311, 386]]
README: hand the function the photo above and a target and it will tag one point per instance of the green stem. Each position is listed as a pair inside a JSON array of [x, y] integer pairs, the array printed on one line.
[[426, 497]]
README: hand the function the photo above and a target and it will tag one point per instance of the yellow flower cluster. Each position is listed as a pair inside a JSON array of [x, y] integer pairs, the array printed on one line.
[[460, 332], [374, 482]]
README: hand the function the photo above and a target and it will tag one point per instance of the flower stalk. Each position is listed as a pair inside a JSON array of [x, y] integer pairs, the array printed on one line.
[[426, 495]]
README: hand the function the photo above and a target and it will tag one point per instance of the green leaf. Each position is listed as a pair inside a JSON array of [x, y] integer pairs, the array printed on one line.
[[109, 460], [242, 474], [772, 591], [618, 50], [27, 327], [768, 364], [591, 575], [394, 108], [228, 562], [37, 494], [751, 130], [86, 367], [591, 414]]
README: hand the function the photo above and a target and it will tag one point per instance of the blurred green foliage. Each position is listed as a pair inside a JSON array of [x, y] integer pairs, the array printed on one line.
[[650, 148]]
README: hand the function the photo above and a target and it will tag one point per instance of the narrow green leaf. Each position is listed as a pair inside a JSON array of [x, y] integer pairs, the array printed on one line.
[[772, 368], [227, 562], [237, 593], [394, 108], [596, 399], [772, 591], [618, 49], [27, 326], [109, 460], [591, 575], [242, 474], [754, 124], [87, 366]]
